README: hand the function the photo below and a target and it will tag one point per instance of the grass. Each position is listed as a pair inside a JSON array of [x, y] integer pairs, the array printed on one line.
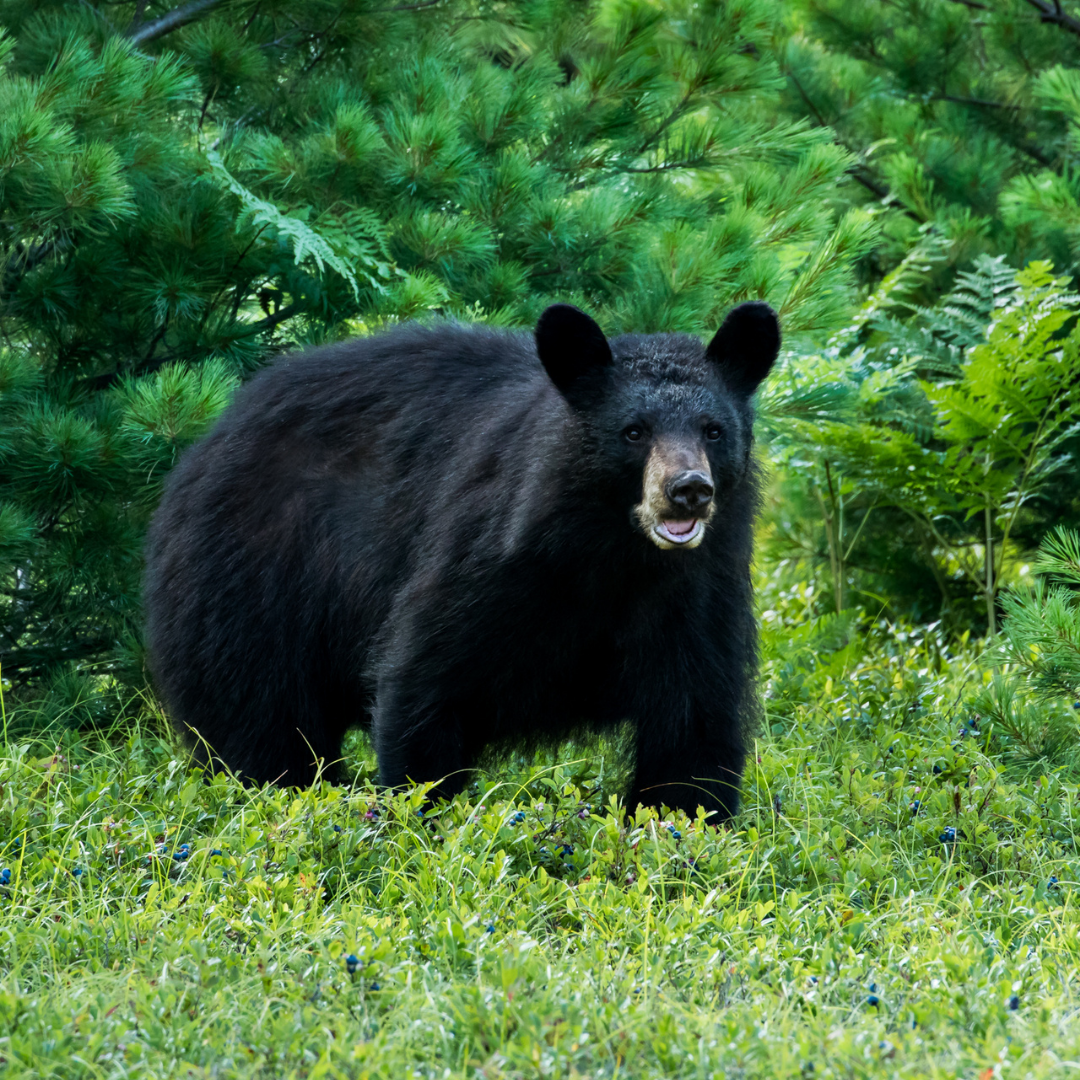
[[154, 925]]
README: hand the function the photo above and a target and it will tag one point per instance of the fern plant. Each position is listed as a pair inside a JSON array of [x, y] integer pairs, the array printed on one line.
[[956, 420]]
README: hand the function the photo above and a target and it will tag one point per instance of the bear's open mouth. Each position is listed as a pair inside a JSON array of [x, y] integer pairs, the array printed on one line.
[[679, 532]]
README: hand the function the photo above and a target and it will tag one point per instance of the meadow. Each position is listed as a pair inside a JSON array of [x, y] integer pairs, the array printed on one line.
[[897, 897]]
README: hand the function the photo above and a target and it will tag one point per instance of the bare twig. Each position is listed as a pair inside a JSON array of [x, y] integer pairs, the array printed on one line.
[[1052, 12], [405, 7], [171, 20], [982, 102]]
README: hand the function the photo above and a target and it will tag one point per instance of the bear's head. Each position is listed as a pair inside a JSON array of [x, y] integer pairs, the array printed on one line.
[[667, 423]]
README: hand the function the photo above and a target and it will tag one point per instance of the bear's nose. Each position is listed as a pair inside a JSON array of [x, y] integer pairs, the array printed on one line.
[[690, 491]]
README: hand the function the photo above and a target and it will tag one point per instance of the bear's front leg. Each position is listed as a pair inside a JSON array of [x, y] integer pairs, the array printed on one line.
[[418, 741], [686, 762]]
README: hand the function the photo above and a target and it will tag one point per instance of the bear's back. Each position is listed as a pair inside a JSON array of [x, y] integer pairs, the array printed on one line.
[[408, 376]]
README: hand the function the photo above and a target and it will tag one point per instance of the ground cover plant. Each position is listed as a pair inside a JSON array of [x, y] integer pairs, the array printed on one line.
[[896, 898]]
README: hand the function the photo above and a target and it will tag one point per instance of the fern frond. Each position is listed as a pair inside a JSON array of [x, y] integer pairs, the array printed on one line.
[[334, 247]]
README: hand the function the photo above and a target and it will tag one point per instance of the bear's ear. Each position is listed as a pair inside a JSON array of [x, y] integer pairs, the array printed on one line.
[[746, 346], [570, 344]]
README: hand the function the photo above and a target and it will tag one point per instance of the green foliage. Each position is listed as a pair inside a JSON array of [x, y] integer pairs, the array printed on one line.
[[960, 117], [966, 454], [186, 191]]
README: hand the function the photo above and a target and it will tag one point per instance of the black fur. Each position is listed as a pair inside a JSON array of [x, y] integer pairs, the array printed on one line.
[[418, 532]]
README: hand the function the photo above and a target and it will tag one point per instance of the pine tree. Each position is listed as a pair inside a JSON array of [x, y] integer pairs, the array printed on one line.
[[1032, 701], [960, 115], [186, 190]]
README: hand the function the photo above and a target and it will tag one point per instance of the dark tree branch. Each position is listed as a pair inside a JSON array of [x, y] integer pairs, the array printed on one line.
[[171, 20], [1052, 12], [884, 194], [981, 102], [807, 99], [27, 663], [26, 259], [279, 316], [147, 367], [405, 7]]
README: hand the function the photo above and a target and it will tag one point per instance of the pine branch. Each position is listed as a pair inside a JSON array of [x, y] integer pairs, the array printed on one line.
[[170, 356], [1053, 13], [171, 20], [871, 185]]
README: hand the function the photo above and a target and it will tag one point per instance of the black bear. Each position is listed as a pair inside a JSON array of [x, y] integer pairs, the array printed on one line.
[[462, 538]]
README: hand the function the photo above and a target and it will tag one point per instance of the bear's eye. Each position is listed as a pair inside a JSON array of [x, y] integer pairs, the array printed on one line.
[[633, 434], [713, 432]]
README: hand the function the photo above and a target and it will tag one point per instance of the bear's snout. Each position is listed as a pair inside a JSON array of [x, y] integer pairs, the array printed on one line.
[[690, 493], [677, 495]]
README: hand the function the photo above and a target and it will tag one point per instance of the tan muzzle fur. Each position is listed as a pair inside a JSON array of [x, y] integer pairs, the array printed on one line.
[[667, 460]]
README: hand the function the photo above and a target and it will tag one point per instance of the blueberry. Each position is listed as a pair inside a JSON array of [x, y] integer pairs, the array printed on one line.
[[352, 962], [916, 806], [77, 872], [937, 770], [873, 988], [338, 828], [565, 850], [1014, 1003], [813, 979], [5, 876], [490, 928], [374, 986], [1051, 884], [872, 999], [676, 835], [215, 851], [518, 818], [949, 835]]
